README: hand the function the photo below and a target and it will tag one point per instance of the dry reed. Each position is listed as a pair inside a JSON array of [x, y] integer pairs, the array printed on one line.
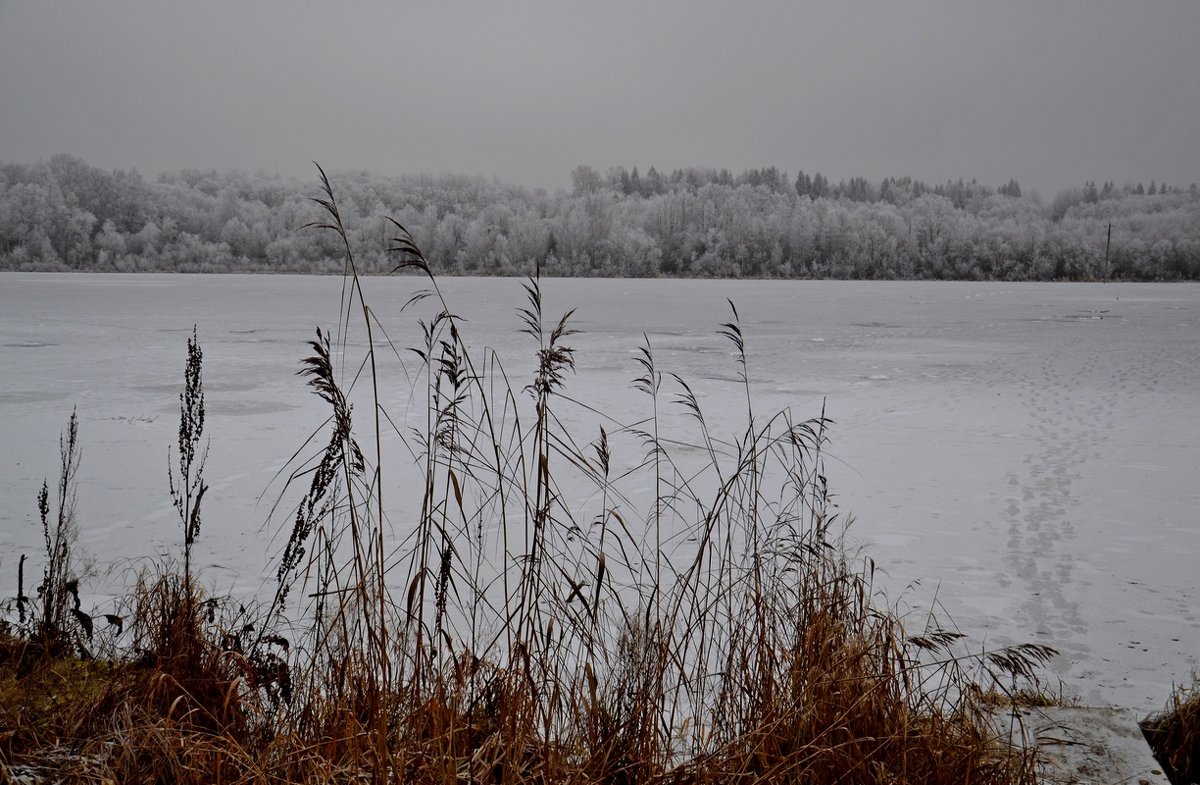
[[1174, 735]]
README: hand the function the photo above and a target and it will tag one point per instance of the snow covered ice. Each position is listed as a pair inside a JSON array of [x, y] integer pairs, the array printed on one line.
[[1021, 459]]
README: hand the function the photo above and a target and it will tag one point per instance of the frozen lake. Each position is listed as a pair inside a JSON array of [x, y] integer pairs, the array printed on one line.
[[1024, 456]]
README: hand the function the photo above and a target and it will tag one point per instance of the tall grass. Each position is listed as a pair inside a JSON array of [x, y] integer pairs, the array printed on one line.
[[187, 485], [54, 618], [1174, 734], [527, 611]]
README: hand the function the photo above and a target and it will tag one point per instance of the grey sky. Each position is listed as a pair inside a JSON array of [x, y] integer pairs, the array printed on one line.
[[1052, 93]]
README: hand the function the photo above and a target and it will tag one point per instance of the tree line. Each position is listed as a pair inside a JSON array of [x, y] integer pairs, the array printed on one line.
[[64, 214]]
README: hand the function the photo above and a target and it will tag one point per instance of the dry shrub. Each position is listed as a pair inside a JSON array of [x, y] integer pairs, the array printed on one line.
[[191, 670], [1174, 735]]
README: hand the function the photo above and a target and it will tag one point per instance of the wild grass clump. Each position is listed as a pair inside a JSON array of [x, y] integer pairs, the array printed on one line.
[[1174, 735], [54, 619], [648, 599]]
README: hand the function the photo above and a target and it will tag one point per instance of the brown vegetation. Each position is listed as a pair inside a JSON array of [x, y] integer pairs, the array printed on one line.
[[1174, 735]]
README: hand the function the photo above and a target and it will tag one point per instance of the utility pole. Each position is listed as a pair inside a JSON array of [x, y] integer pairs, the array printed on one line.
[[1107, 245]]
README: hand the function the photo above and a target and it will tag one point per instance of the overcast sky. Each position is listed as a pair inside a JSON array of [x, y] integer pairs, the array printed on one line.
[[1050, 92]]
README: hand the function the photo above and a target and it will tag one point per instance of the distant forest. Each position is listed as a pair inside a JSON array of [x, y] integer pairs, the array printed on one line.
[[65, 214]]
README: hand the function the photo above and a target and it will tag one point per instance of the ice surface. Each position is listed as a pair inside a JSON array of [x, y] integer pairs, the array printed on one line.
[[1022, 457]]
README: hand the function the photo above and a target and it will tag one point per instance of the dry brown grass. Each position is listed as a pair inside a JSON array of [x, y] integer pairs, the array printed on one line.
[[537, 624], [1174, 735]]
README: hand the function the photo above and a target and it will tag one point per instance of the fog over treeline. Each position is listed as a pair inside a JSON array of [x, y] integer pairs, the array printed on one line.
[[65, 214]]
